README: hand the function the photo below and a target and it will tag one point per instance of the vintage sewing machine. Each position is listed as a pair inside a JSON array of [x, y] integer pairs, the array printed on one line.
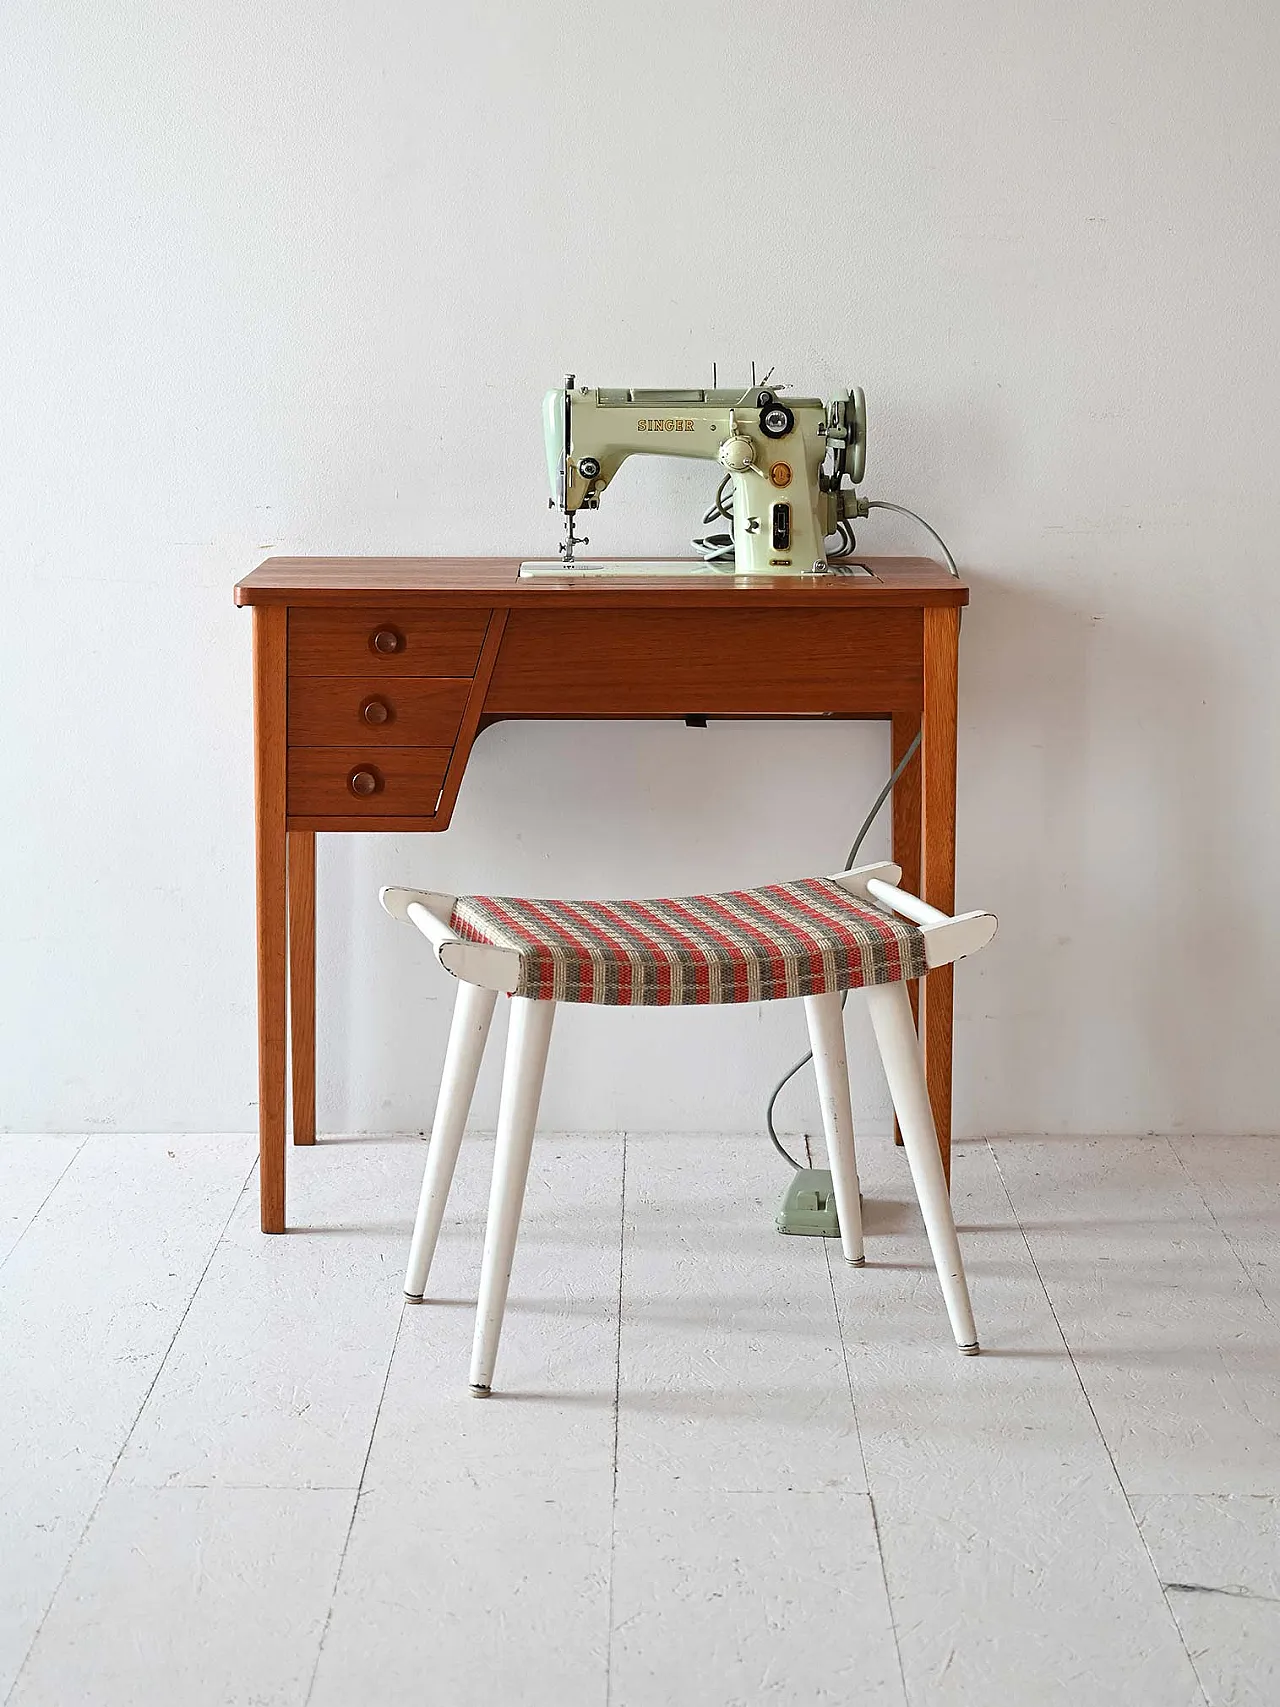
[[784, 459]]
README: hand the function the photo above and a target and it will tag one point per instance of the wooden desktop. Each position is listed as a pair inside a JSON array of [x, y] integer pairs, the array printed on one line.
[[373, 677]]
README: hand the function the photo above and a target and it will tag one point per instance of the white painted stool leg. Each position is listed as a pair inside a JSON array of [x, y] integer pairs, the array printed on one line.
[[527, 1044], [831, 1067], [472, 1012], [900, 1051]]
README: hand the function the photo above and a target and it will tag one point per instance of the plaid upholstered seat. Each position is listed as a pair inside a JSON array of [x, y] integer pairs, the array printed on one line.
[[749, 945]]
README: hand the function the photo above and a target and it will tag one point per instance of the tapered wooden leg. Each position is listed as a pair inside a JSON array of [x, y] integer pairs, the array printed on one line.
[[900, 1052], [472, 1013], [938, 847], [269, 798], [831, 1068], [527, 1044], [906, 828], [302, 982]]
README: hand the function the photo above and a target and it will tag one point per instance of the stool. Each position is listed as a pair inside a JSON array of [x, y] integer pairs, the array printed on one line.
[[814, 939]]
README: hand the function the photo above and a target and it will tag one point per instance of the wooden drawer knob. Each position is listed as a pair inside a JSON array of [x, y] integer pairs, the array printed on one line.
[[375, 711], [386, 641], [363, 783]]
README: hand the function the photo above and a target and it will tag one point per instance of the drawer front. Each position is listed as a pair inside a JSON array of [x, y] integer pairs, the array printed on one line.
[[347, 711], [367, 781], [379, 643], [741, 663]]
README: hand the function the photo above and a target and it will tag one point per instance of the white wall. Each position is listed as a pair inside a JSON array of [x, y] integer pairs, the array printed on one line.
[[292, 277]]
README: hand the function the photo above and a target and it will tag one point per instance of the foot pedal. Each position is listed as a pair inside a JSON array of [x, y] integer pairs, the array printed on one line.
[[809, 1205]]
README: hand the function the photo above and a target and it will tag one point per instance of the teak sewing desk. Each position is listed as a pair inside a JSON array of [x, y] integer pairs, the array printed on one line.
[[373, 677]]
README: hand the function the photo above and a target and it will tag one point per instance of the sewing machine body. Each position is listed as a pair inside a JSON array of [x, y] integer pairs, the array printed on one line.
[[772, 449]]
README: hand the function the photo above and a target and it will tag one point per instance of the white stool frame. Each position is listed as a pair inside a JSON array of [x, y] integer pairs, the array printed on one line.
[[483, 970]]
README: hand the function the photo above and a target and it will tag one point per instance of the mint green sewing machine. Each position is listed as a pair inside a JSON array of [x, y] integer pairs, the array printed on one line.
[[784, 459]]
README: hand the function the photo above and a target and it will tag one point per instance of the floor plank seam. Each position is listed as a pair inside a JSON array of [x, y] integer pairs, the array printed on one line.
[[355, 1506], [617, 1410], [1106, 1447], [214, 1247], [888, 1597], [39, 1208], [1230, 1242], [862, 1454]]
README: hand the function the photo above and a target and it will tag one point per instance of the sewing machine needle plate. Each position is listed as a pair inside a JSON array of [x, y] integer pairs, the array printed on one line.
[[680, 567], [586, 566]]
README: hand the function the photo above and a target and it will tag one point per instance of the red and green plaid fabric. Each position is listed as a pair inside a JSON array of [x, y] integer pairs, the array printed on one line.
[[750, 945]]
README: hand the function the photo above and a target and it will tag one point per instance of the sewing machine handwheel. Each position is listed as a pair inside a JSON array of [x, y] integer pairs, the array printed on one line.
[[857, 429]]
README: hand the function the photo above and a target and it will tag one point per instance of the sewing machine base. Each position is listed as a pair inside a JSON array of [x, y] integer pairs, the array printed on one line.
[[585, 568]]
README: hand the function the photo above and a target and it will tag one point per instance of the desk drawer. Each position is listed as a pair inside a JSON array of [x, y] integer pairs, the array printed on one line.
[[369, 781], [344, 711], [377, 642], [723, 663]]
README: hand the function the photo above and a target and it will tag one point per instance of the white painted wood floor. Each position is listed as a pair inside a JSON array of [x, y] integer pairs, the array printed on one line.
[[724, 1468]]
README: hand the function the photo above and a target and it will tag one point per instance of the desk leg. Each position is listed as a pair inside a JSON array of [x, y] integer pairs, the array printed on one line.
[[938, 852], [906, 830], [269, 627], [302, 982]]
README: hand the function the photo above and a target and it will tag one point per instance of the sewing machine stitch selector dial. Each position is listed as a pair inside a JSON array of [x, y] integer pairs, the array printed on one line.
[[776, 420], [738, 454]]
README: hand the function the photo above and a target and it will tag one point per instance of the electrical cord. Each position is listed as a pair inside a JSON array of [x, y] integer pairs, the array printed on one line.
[[868, 821], [718, 549], [854, 851], [902, 510], [848, 539]]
